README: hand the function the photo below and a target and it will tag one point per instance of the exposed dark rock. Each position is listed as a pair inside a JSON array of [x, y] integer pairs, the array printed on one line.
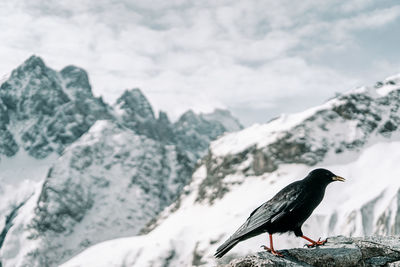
[[135, 105], [262, 163], [213, 187], [9, 222], [76, 82], [8, 145], [137, 113], [168, 259], [378, 84], [339, 251], [197, 257], [388, 127], [391, 82]]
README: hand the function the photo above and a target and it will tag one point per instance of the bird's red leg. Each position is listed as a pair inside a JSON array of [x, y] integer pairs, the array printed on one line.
[[272, 250], [314, 243]]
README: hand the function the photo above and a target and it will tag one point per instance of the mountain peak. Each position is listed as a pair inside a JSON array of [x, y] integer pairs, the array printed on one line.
[[34, 65], [51, 108], [221, 116], [163, 117], [134, 103], [188, 116], [225, 117], [76, 78], [34, 61]]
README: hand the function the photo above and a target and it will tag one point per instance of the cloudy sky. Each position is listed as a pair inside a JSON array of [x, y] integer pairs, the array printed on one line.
[[257, 58]]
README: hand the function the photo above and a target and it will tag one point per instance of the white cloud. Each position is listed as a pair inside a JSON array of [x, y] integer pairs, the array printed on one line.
[[373, 19], [355, 5], [200, 55]]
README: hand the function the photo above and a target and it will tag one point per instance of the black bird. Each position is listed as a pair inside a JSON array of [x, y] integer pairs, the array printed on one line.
[[285, 212]]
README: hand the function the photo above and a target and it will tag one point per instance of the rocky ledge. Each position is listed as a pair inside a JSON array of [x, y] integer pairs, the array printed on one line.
[[339, 251]]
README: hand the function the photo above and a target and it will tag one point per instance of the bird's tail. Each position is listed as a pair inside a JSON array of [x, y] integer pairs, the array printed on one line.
[[225, 247]]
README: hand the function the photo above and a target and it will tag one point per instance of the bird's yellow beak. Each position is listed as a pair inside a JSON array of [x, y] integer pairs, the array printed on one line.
[[338, 178]]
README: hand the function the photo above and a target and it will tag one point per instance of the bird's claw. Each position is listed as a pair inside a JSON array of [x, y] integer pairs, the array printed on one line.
[[265, 248], [273, 252], [317, 243], [276, 253]]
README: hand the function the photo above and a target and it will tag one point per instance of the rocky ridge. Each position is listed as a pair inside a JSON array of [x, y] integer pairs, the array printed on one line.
[[348, 122]]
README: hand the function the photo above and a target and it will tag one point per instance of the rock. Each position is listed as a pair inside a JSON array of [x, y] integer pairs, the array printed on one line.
[[339, 251]]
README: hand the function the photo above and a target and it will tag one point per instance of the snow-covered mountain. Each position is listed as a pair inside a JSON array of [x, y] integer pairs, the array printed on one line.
[[108, 184], [77, 171], [355, 135]]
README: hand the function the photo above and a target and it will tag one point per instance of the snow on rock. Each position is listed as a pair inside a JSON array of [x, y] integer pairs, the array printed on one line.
[[347, 123], [15, 241], [389, 84], [20, 176]]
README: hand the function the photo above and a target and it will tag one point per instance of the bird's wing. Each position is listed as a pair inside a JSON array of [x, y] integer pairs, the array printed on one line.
[[282, 203]]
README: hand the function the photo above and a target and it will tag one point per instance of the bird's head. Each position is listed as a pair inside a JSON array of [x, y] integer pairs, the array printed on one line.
[[324, 176]]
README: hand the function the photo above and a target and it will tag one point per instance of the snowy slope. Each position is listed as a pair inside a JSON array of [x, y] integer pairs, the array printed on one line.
[[355, 135], [19, 175], [198, 229]]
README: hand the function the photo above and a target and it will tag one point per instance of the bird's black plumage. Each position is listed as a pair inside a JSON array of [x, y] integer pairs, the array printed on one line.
[[286, 211]]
